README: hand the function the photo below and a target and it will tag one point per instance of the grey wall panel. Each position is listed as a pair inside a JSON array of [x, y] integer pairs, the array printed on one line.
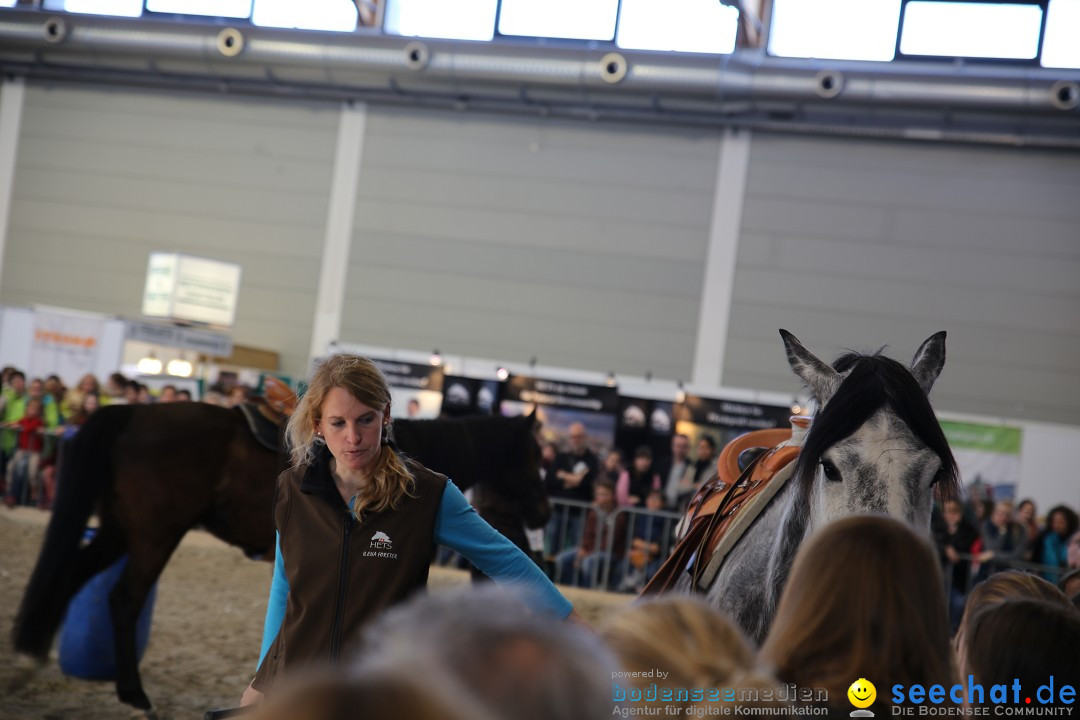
[[104, 178], [853, 244], [510, 238]]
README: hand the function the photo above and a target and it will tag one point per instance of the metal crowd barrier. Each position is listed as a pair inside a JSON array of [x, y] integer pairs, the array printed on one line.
[[975, 570], [564, 533], [608, 571]]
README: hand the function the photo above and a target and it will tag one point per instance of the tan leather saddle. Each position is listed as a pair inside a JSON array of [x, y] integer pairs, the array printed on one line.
[[279, 396], [266, 415], [725, 506]]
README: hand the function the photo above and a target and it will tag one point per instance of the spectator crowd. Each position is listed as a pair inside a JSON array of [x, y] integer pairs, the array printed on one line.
[[926, 612], [479, 653], [614, 521], [38, 414]]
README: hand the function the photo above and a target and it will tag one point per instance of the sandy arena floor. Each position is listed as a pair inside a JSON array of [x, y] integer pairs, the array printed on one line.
[[205, 638]]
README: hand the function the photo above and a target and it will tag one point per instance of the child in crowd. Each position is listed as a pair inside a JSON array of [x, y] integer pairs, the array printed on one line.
[[647, 544], [22, 468], [584, 564], [90, 401]]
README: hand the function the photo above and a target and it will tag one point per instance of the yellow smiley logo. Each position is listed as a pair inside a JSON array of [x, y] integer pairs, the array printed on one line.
[[862, 693]]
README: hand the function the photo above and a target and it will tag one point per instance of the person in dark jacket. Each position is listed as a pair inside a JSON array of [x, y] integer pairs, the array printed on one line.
[[570, 478], [602, 543], [705, 465], [957, 536], [357, 527], [1002, 539]]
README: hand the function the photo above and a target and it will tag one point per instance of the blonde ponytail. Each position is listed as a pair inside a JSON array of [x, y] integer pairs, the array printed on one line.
[[389, 482]]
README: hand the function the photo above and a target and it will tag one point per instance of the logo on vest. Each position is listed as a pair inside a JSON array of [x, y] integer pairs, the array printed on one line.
[[381, 546]]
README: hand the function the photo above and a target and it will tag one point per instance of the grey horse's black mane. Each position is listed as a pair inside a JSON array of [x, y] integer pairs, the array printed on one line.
[[875, 382]]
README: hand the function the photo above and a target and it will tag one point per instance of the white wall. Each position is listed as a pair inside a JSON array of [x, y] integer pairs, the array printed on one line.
[[1048, 464], [105, 177], [581, 244], [858, 244]]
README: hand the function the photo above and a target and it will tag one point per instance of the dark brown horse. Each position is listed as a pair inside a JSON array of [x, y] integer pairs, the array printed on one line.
[[153, 472]]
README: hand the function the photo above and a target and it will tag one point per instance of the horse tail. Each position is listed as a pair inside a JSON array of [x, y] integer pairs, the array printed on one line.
[[85, 471]]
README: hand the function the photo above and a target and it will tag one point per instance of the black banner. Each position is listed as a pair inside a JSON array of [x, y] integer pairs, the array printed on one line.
[[415, 376], [731, 414], [468, 396], [557, 393], [655, 417], [645, 422]]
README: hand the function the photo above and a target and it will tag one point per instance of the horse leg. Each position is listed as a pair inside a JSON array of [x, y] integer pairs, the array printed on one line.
[[126, 600], [105, 549]]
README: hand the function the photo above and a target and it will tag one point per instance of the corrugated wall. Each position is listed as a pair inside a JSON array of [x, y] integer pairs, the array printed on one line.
[[104, 178], [580, 244], [508, 237], [853, 244]]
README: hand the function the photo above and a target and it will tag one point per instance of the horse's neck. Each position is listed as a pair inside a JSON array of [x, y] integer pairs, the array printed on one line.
[[793, 529]]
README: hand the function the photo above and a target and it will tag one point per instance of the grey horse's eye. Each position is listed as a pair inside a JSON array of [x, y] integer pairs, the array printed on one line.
[[831, 473]]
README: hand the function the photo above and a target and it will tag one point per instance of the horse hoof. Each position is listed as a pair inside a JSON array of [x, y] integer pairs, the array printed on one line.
[[141, 707], [29, 662], [26, 667]]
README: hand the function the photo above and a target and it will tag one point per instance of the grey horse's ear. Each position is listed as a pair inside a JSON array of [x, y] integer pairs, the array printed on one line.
[[822, 380], [929, 359]]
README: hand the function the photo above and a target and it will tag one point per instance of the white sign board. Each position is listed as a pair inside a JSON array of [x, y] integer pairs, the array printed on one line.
[[65, 343], [181, 287], [208, 342]]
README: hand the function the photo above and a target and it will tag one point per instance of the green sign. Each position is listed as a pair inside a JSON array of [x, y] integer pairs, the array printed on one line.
[[988, 438]]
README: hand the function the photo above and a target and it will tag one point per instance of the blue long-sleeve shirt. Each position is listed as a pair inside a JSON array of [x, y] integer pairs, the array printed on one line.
[[460, 528]]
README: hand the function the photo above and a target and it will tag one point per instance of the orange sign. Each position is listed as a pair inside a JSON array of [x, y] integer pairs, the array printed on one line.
[[49, 336]]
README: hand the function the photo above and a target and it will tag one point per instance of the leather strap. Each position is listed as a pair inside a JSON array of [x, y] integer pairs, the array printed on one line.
[[717, 517]]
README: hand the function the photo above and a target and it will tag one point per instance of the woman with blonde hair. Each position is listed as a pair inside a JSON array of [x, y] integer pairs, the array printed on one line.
[[74, 397], [864, 600], [357, 525], [696, 647]]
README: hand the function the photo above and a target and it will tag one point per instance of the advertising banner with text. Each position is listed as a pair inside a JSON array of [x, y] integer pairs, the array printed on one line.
[[559, 404], [988, 456]]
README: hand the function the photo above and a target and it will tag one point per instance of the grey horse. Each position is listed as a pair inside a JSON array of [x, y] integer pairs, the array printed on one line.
[[875, 446]]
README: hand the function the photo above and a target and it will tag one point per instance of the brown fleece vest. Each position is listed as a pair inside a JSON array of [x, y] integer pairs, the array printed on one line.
[[343, 573]]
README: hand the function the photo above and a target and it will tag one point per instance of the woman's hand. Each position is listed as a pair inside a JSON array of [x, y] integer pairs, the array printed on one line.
[[250, 696]]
